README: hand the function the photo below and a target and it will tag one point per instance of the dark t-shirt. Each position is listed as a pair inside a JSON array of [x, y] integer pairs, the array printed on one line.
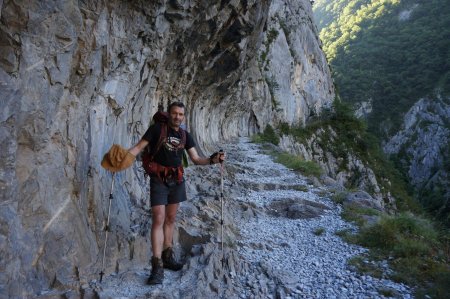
[[168, 155]]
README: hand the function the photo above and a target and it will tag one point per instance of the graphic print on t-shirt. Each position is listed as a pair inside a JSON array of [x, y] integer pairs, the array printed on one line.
[[172, 143]]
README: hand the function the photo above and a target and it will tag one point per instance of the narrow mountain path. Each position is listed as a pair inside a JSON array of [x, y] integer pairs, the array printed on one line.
[[295, 236], [280, 240]]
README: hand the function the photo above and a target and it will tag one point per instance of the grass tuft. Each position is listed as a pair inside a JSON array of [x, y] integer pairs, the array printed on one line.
[[412, 245], [308, 168], [339, 197], [404, 235], [319, 231], [357, 214], [269, 135]]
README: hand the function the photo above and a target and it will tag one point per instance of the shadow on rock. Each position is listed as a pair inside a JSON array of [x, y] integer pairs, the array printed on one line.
[[296, 209]]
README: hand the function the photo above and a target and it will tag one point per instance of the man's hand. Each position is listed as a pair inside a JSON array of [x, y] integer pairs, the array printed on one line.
[[217, 157]]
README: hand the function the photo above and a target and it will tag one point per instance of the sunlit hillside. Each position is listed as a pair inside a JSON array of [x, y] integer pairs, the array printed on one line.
[[388, 57], [386, 53]]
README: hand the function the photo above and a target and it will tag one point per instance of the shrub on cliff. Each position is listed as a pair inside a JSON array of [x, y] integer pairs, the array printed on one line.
[[269, 135]]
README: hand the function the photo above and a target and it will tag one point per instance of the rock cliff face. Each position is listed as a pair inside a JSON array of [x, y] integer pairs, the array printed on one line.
[[344, 169], [423, 144], [77, 76]]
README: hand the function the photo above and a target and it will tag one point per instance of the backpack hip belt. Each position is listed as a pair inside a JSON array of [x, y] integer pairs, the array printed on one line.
[[166, 174]]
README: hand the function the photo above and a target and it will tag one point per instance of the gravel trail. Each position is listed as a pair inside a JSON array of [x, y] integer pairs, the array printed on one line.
[[314, 266], [283, 245]]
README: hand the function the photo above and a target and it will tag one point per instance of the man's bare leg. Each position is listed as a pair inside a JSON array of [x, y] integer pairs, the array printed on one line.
[[168, 257], [169, 224], [157, 233]]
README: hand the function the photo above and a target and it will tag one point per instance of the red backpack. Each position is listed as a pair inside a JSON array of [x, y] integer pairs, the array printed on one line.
[[149, 153]]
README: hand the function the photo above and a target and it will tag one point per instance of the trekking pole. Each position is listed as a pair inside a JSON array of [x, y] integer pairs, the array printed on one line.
[[221, 206], [106, 229]]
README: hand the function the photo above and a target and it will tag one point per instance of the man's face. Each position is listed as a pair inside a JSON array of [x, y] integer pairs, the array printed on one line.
[[176, 116]]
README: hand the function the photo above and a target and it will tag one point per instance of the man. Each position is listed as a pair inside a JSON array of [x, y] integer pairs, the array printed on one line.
[[167, 189]]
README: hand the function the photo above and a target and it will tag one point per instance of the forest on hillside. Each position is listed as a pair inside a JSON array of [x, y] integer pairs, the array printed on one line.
[[386, 55], [387, 52]]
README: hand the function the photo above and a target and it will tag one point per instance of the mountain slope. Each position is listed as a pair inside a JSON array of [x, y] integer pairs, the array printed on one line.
[[389, 53], [391, 60]]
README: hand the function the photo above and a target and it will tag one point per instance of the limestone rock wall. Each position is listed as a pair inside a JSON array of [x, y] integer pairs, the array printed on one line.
[[294, 68], [78, 76], [339, 170], [422, 143]]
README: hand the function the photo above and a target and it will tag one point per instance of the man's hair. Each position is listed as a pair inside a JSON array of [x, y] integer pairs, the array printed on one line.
[[178, 104]]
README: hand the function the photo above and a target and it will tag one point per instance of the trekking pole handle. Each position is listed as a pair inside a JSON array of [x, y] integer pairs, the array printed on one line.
[[216, 155]]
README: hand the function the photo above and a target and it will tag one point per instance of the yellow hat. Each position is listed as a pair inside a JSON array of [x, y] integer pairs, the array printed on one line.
[[117, 159]]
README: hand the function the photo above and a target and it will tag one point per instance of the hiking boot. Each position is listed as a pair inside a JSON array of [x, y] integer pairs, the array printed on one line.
[[169, 261], [157, 274]]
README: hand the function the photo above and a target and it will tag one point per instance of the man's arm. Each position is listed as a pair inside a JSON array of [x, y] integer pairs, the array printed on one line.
[[204, 161], [135, 150]]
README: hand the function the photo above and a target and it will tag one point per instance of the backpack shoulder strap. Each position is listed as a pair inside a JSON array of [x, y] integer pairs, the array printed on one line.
[[161, 140], [183, 138]]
